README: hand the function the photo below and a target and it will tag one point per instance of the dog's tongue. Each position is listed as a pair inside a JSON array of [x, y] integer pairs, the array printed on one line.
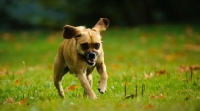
[[91, 60]]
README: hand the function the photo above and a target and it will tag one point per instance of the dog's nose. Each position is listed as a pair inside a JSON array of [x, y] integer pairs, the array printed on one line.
[[91, 55]]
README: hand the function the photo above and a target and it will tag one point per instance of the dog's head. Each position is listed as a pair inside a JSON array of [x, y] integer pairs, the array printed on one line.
[[88, 41]]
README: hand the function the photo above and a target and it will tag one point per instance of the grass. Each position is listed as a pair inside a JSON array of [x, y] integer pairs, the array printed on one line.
[[162, 61]]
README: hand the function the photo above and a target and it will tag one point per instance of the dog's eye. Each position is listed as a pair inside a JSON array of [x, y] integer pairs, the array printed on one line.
[[79, 35], [84, 46], [96, 45]]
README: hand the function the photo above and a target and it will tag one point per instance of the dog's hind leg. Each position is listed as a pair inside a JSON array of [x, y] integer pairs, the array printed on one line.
[[59, 72]]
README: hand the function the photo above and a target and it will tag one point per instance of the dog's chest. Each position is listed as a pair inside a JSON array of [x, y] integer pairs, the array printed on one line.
[[86, 71]]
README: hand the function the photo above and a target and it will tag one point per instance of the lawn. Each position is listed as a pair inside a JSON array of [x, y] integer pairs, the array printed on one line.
[[150, 68]]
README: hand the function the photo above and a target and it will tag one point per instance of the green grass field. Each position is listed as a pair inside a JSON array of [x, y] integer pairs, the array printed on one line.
[[159, 66]]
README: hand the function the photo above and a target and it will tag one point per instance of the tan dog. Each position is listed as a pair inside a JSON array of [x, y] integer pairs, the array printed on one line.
[[80, 53]]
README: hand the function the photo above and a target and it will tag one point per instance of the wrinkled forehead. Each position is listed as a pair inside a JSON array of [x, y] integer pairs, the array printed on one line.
[[90, 35]]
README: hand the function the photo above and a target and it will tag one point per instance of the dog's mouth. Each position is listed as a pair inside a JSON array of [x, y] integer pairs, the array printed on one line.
[[90, 58], [91, 61]]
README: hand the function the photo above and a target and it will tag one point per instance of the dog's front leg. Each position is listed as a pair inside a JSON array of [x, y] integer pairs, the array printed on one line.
[[103, 80], [89, 78], [86, 85]]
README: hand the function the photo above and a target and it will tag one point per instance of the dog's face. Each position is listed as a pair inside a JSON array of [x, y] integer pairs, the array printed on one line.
[[89, 45], [88, 41]]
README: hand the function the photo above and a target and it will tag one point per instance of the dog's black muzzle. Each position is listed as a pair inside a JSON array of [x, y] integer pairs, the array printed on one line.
[[90, 57]]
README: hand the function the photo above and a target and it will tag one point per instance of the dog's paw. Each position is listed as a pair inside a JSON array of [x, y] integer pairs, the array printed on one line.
[[102, 91], [102, 87], [93, 97]]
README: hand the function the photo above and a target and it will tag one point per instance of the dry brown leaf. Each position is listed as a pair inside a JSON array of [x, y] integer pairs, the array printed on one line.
[[183, 68], [148, 106], [161, 96], [160, 72], [71, 88], [10, 100], [192, 47], [17, 83], [187, 68], [148, 76], [23, 101], [4, 71], [195, 67], [153, 96]]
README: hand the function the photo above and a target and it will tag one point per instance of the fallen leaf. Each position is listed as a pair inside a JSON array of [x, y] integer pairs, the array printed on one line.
[[187, 68], [17, 82], [148, 106], [148, 76], [192, 47], [183, 68], [4, 71], [10, 100], [160, 96], [195, 67], [160, 72], [23, 101], [153, 96], [71, 88]]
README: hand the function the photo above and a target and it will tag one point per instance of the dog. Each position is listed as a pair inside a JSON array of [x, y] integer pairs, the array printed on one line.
[[79, 54]]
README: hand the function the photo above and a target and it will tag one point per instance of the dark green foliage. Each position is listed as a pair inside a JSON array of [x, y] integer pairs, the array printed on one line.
[[44, 14]]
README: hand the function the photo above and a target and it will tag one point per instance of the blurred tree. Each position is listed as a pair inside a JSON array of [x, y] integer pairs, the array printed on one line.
[[31, 14], [55, 14]]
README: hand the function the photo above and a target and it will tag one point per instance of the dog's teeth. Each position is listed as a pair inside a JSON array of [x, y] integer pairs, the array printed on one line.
[[92, 60]]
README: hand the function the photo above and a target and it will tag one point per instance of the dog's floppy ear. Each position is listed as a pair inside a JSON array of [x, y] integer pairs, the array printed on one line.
[[70, 31], [101, 25]]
